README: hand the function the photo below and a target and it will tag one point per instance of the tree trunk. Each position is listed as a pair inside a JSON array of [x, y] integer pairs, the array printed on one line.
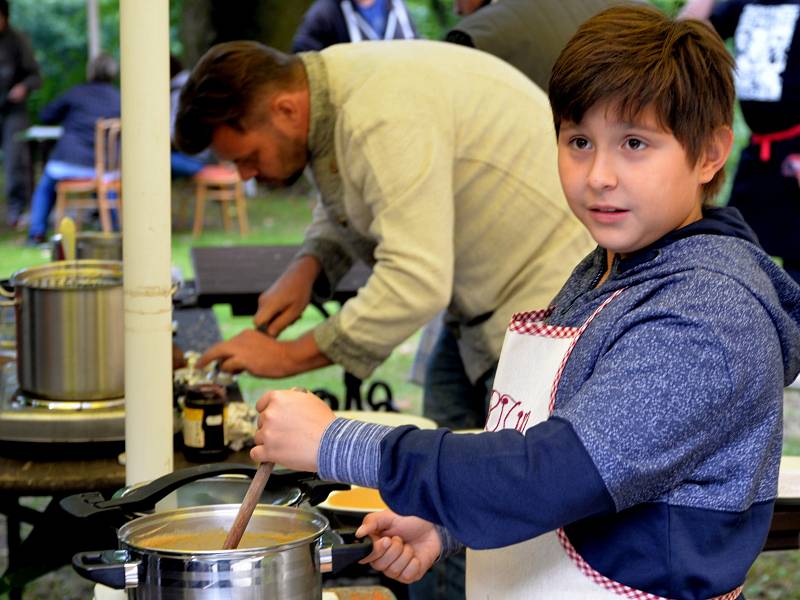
[[208, 22]]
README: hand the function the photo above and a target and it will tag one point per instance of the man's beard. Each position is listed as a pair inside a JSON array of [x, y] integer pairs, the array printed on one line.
[[275, 184]]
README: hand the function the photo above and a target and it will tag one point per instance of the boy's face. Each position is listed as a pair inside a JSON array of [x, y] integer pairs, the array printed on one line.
[[628, 183]]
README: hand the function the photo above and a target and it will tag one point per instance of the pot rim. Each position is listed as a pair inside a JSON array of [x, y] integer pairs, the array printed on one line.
[[29, 277], [318, 521]]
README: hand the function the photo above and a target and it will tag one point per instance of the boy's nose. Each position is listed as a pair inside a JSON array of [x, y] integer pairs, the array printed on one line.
[[602, 175]]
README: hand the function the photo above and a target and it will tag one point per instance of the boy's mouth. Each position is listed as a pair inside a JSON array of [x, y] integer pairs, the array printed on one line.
[[607, 214], [607, 209]]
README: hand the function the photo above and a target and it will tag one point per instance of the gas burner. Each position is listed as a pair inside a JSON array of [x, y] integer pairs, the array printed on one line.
[[22, 399], [26, 420]]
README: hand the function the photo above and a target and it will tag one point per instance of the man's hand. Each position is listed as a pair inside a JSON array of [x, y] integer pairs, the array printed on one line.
[[290, 428], [284, 302], [404, 548], [250, 351]]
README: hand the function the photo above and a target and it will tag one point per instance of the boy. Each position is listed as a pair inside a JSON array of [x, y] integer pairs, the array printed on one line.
[[649, 394]]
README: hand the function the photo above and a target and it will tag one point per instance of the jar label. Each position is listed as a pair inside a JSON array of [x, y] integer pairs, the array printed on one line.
[[193, 434], [212, 420]]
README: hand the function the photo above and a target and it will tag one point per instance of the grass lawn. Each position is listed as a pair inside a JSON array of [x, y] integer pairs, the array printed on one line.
[[281, 218]]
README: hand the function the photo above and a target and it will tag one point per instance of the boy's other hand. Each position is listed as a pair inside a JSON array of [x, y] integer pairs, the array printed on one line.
[[290, 428], [404, 548]]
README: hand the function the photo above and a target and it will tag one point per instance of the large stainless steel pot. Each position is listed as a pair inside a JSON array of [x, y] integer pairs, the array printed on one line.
[[70, 330], [285, 569]]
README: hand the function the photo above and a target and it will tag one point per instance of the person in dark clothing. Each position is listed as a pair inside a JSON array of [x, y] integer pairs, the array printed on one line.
[[19, 76], [527, 35], [767, 47], [330, 22], [73, 156]]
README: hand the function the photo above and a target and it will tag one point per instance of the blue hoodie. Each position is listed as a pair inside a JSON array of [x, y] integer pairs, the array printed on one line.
[[661, 457]]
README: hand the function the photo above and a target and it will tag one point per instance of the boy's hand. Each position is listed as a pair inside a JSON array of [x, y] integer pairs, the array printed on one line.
[[290, 427], [404, 548]]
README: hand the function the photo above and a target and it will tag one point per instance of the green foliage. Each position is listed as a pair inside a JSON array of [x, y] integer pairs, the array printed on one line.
[[671, 7], [426, 20], [58, 31]]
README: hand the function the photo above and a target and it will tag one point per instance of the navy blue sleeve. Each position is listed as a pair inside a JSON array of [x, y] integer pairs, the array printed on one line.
[[55, 111], [492, 489], [323, 25]]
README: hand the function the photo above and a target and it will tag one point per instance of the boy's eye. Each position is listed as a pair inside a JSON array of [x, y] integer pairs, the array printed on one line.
[[580, 143], [635, 144]]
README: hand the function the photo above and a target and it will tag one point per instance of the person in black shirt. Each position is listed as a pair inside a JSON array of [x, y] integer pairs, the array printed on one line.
[[19, 76], [766, 35]]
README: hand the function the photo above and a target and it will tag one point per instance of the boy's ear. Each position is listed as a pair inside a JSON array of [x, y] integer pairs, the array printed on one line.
[[716, 153]]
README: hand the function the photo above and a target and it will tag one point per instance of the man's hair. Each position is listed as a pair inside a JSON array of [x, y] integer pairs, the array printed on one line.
[[102, 68], [4, 8], [634, 57], [224, 87]]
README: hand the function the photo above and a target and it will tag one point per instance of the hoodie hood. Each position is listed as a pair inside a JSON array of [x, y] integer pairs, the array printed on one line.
[[720, 243]]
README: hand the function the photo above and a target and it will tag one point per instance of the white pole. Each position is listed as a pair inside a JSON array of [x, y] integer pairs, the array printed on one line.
[[144, 50], [93, 27]]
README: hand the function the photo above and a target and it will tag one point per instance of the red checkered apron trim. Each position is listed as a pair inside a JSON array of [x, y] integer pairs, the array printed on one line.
[[614, 586], [530, 323], [577, 334]]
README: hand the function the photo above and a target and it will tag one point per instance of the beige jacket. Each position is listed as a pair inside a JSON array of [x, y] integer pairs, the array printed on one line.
[[436, 164]]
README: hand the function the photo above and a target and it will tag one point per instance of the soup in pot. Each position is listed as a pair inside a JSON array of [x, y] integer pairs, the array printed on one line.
[[206, 541]]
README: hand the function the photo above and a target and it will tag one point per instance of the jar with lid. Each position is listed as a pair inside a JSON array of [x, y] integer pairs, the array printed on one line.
[[205, 409]]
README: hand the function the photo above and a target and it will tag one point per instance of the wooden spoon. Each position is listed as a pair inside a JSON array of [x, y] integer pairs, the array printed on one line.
[[251, 498]]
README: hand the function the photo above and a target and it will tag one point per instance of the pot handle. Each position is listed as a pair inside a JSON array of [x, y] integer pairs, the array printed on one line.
[[8, 293], [109, 567], [144, 498], [335, 558]]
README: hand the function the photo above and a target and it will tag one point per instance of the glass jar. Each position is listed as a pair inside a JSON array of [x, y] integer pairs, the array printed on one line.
[[205, 410]]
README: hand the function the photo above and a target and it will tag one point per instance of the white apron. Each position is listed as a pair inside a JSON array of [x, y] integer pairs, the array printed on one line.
[[546, 567], [359, 29]]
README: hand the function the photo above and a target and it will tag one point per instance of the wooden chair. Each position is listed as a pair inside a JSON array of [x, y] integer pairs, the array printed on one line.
[[84, 194], [222, 184]]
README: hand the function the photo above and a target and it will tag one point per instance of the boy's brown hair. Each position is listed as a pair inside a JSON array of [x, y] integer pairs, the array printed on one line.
[[634, 57]]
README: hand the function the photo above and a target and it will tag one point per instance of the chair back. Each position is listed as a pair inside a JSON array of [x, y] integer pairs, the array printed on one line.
[[107, 150]]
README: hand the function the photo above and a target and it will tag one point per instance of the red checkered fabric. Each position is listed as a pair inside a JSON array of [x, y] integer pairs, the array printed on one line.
[[530, 323], [614, 586]]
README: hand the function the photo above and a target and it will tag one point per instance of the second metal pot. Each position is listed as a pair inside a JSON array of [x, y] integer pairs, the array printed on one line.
[[91, 244], [70, 343]]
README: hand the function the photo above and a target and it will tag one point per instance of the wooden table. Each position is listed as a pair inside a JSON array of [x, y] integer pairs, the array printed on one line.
[[784, 534], [237, 275]]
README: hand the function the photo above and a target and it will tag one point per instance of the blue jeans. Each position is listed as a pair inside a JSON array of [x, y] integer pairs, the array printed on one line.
[[453, 401], [44, 196], [183, 165], [449, 397]]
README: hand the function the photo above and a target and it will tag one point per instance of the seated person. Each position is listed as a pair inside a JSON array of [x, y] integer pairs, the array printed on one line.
[[181, 165], [77, 110]]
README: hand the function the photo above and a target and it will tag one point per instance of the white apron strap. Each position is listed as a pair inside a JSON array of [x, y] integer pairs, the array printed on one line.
[[399, 9], [350, 18]]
